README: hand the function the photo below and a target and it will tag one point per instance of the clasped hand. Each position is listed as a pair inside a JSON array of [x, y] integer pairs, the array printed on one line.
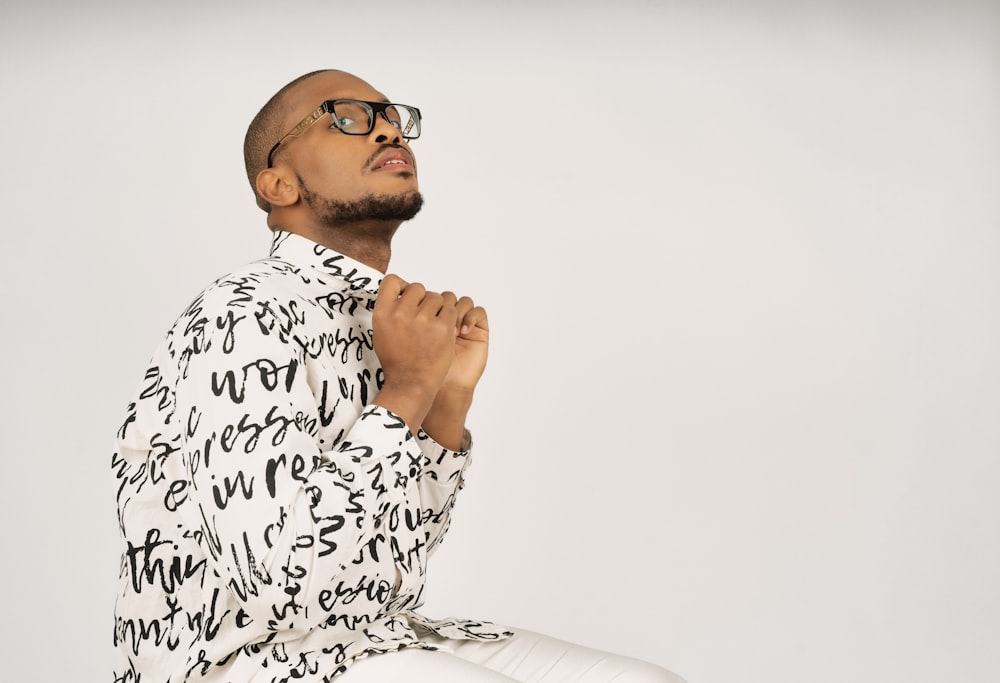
[[432, 348]]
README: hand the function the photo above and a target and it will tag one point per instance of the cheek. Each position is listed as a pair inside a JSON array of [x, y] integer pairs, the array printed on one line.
[[333, 171], [333, 182]]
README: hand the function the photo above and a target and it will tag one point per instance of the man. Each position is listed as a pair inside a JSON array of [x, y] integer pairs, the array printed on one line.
[[293, 453]]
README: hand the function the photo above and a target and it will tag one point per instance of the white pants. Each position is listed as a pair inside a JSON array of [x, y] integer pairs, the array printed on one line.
[[527, 657]]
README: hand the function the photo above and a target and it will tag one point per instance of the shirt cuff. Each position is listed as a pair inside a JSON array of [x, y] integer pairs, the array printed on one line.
[[379, 432], [440, 464]]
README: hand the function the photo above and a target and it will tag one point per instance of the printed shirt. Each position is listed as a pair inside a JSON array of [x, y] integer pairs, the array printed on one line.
[[276, 526]]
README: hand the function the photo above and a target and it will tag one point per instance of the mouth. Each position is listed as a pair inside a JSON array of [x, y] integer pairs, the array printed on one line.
[[392, 159]]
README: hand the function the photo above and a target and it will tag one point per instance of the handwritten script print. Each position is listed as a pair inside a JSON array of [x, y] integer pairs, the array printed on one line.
[[276, 526]]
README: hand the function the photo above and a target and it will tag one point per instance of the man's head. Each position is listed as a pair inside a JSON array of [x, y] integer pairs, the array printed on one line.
[[322, 174]]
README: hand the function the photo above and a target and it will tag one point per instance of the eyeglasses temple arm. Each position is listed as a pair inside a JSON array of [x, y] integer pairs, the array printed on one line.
[[301, 126]]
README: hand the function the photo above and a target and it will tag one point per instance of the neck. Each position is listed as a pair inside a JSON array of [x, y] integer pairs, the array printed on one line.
[[368, 242]]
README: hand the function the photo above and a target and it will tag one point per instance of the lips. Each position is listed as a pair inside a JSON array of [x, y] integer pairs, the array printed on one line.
[[394, 158]]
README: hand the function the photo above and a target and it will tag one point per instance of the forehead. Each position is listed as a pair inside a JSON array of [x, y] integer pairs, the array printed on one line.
[[329, 85]]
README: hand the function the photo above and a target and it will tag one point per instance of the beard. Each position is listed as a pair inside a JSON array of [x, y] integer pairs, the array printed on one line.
[[385, 207]]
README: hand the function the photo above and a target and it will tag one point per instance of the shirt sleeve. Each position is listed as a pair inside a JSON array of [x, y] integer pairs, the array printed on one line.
[[279, 519], [442, 477]]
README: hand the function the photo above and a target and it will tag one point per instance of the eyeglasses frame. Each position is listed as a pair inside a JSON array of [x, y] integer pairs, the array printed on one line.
[[327, 107]]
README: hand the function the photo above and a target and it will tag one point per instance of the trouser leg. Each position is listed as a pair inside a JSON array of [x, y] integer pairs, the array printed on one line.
[[531, 657], [419, 666]]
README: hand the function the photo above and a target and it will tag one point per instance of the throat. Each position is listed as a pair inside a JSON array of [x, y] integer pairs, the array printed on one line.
[[369, 242]]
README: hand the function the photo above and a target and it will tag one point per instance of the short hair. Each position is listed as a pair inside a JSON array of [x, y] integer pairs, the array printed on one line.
[[263, 132]]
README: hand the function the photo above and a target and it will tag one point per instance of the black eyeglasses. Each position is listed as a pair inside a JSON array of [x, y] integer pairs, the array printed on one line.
[[357, 117]]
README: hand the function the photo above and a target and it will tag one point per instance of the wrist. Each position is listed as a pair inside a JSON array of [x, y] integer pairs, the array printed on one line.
[[454, 398], [412, 403], [445, 421]]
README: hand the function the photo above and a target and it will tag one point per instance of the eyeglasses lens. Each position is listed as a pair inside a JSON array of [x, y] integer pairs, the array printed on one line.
[[355, 118]]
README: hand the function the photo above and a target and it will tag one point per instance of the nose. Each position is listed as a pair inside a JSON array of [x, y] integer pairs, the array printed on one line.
[[384, 131]]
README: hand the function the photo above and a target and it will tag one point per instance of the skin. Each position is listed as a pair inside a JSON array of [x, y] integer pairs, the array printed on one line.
[[432, 346]]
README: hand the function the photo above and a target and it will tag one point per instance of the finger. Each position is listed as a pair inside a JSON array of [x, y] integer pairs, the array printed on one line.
[[430, 305], [436, 305], [448, 315], [449, 298], [464, 305], [412, 294], [403, 283], [476, 317], [389, 289]]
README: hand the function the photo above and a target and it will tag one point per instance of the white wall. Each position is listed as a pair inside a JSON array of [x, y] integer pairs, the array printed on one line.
[[741, 417]]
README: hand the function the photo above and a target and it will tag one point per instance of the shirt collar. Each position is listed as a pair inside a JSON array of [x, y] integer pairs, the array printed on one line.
[[301, 251]]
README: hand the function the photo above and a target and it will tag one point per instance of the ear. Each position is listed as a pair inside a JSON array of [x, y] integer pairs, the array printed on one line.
[[276, 188]]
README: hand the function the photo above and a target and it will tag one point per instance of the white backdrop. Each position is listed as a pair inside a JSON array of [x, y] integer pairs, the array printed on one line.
[[741, 417]]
